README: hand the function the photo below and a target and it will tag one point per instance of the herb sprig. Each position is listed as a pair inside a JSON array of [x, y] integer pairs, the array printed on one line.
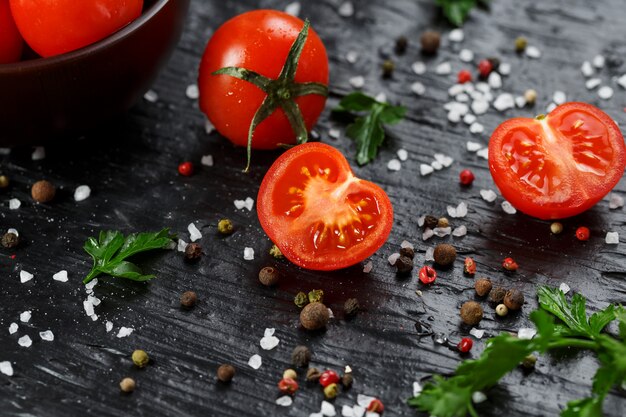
[[111, 249], [368, 130], [452, 397], [457, 11]]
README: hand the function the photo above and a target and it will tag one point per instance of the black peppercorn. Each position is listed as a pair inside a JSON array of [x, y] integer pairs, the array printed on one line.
[[193, 252], [269, 276], [430, 41], [408, 252], [430, 222], [401, 44], [188, 299], [301, 356], [514, 299], [496, 295], [444, 254], [495, 63], [351, 306], [347, 380], [404, 265], [10, 240]]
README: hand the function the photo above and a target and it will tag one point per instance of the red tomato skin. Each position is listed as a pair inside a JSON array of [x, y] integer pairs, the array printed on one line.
[[54, 27], [289, 239], [258, 40], [583, 190], [11, 43]]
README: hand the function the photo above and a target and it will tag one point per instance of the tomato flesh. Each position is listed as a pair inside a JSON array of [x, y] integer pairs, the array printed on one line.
[[11, 42], [558, 166], [318, 213]]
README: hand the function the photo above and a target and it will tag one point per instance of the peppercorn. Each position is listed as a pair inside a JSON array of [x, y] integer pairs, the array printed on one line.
[[496, 295], [556, 228], [225, 373], [140, 358], [376, 406], [404, 265], [316, 296], [329, 377], [466, 177], [313, 374], [471, 313], [509, 264], [430, 41], [193, 252], [408, 252], [464, 76], [443, 222], [482, 286], [290, 373], [301, 356], [469, 266], [185, 169], [502, 310], [388, 67], [225, 227], [301, 299], [427, 275], [484, 68], [351, 306], [430, 222], [520, 44], [514, 299], [347, 379], [582, 233], [269, 276], [529, 361], [495, 62], [4, 181], [331, 391], [276, 253], [188, 299], [288, 386], [314, 316], [10, 240], [465, 345], [531, 96], [444, 254], [127, 385], [401, 44], [43, 191]]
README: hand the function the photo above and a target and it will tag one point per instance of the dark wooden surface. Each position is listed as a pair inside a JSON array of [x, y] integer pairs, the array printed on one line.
[[131, 168]]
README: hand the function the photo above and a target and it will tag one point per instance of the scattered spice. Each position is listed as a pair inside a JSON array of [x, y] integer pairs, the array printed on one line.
[[514, 299], [401, 44], [225, 373], [509, 264], [430, 222], [583, 233], [484, 68], [502, 310], [331, 391], [328, 377], [188, 299], [10, 240], [444, 254], [388, 67], [347, 380], [314, 316], [520, 44], [495, 62], [496, 295], [351, 306], [288, 386], [185, 169], [376, 406], [140, 358], [316, 296], [313, 374], [43, 191], [465, 345], [556, 228], [301, 356], [269, 276], [290, 373], [276, 253], [404, 265], [225, 227], [531, 96], [427, 275], [408, 252], [471, 313], [4, 181], [529, 361], [466, 177], [127, 385], [443, 222], [483, 286], [193, 252], [469, 266], [301, 299], [430, 41], [464, 76]]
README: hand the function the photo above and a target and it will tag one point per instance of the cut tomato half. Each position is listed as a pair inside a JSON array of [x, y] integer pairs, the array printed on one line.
[[318, 213], [559, 165]]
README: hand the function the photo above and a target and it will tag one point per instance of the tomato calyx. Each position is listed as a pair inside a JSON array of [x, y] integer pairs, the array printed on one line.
[[281, 92]]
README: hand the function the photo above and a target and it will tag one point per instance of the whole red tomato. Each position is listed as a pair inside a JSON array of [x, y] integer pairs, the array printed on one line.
[[11, 42], [557, 165], [53, 27], [260, 41]]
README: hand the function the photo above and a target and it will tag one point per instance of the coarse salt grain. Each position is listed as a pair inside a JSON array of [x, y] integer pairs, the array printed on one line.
[[25, 316], [95, 301], [394, 165], [293, 8], [460, 108], [462, 98], [504, 68], [358, 411], [488, 195], [108, 326], [269, 342], [284, 401], [622, 81], [48, 336], [91, 284], [456, 35], [504, 101], [420, 220], [39, 153], [444, 160], [612, 238], [564, 287], [456, 89], [458, 211], [192, 92], [436, 165], [478, 397], [94, 317], [454, 116], [181, 246], [194, 233], [346, 411], [443, 69], [559, 97], [125, 331], [88, 306], [460, 231], [151, 96], [346, 9], [418, 88], [328, 409], [406, 244], [364, 400], [494, 80], [508, 208], [208, 127], [82, 193], [477, 333], [393, 258], [520, 101], [249, 203], [367, 268], [357, 82], [442, 231], [14, 204], [25, 341], [25, 276], [334, 133], [427, 233], [480, 106], [550, 107], [207, 160], [476, 128], [403, 155], [426, 169], [469, 118], [592, 83], [429, 255], [13, 328], [598, 61], [605, 92], [615, 201], [473, 146], [526, 333], [586, 69], [418, 67], [533, 52], [483, 153], [248, 254], [417, 388], [255, 361], [352, 57], [466, 55], [6, 368]]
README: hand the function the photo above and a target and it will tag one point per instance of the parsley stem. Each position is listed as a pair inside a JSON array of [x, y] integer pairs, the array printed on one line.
[[575, 343]]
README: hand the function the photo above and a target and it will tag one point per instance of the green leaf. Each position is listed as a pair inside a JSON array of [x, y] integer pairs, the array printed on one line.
[[457, 11], [392, 114], [598, 321], [356, 101], [572, 314], [587, 407], [125, 269], [621, 318], [444, 397]]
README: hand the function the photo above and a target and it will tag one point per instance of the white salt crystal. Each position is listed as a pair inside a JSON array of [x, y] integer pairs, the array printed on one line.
[[358, 411], [458, 211], [533, 52], [94, 317], [25, 316], [564, 287], [478, 397], [39, 153], [598, 61], [48, 336], [460, 231], [13, 328], [605, 92], [480, 106], [95, 301], [442, 231], [520, 101], [60, 276], [477, 333], [346, 411], [445, 160], [508, 208], [91, 284], [14, 231], [208, 127], [269, 332], [394, 165], [207, 160], [551, 107], [403, 155], [586, 69], [181, 246], [316, 415], [248, 254], [239, 204], [483, 153], [443, 69], [427, 233], [371, 414], [456, 35], [526, 333], [593, 83], [406, 244], [367, 268], [293, 8], [331, 315], [612, 238], [255, 361], [622, 81], [466, 55], [151, 96], [25, 341], [269, 342], [352, 57], [82, 192], [469, 118], [14, 204], [5, 151], [418, 67], [346, 9], [25, 276], [615, 201], [476, 128], [108, 326], [328, 409], [6, 368], [462, 98], [426, 169], [357, 82], [559, 97], [417, 389], [284, 401], [483, 87], [125, 331], [456, 89], [455, 106], [334, 133], [393, 258], [418, 88], [494, 80], [420, 221], [504, 101], [364, 400], [488, 195], [249, 203], [192, 92], [429, 255], [504, 68], [454, 116], [88, 307], [194, 233], [436, 165]]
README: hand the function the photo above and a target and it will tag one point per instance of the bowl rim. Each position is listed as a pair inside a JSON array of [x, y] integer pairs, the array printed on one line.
[[89, 49]]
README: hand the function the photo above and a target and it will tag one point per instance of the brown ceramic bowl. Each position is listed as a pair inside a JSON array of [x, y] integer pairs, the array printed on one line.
[[46, 98]]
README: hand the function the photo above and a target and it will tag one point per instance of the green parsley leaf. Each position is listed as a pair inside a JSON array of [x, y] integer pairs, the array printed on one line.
[[111, 249], [457, 11], [368, 130]]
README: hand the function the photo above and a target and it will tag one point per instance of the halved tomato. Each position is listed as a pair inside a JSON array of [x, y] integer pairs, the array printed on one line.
[[318, 213], [559, 165]]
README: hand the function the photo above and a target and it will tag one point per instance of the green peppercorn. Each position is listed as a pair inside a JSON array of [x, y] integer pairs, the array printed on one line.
[[225, 227], [4, 181], [520, 44], [140, 358], [388, 68], [301, 299], [529, 361], [331, 391], [276, 253], [351, 306], [10, 240], [127, 385], [316, 296]]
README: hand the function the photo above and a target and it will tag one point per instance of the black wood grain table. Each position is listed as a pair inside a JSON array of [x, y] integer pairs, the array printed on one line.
[[131, 166]]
